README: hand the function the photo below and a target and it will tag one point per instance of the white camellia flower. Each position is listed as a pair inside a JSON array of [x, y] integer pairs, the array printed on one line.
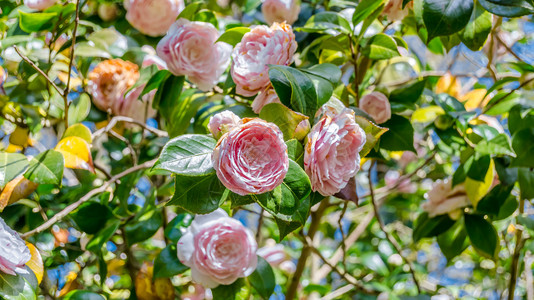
[[443, 198], [14, 254]]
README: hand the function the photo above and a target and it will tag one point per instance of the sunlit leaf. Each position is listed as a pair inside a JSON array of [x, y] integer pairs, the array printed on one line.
[[77, 153]]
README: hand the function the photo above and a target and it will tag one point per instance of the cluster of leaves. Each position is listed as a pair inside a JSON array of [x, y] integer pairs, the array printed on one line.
[[121, 213]]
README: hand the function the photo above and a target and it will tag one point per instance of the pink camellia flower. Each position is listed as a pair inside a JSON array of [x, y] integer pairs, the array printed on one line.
[[251, 158], [443, 198], [393, 10], [39, 4], [223, 122], [189, 48], [280, 11], [259, 48], [377, 106], [14, 254], [331, 154], [218, 249], [153, 17], [276, 256], [267, 96]]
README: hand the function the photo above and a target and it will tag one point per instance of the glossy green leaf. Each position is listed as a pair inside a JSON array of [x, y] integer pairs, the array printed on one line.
[[523, 147], [526, 182], [263, 280], [492, 202], [399, 137], [430, 227], [374, 262], [507, 8], [453, 241], [482, 235], [381, 46], [327, 20], [11, 166], [445, 17], [46, 168], [167, 263], [143, 226], [83, 295], [499, 145], [233, 36], [91, 217], [228, 292], [295, 151], [19, 287], [188, 155], [475, 34], [155, 81], [365, 9], [198, 195], [286, 119], [405, 97], [176, 227], [79, 109], [37, 21], [372, 133]]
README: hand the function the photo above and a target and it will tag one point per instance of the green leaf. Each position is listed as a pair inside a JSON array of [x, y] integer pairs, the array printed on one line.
[[430, 227], [374, 262], [526, 221], [198, 195], [96, 243], [372, 133], [167, 263], [145, 74], [168, 92], [499, 145], [479, 167], [188, 155], [190, 10], [399, 137], [449, 103], [21, 286], [492, 202], [514, 8], [445, 17], [263, 280], [176, 227], [46, 168], [381, 46], [37, 21], [482, 235], [294, 89], [233, 36], [520, 118], [83, 295], [155, 81], [79, 109], [11, 166], [327, 20], [228, 292], [523, 147], [365, 9], [324, 77], [206, 16], [183, 110], [295, 151], [454, 241], [91, 217], [79, 130], [526, 183], [475, 34], [405, 97], [286, 119], [143, 226]]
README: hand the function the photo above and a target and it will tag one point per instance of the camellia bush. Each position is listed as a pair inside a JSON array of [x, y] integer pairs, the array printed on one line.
[[266, 149]]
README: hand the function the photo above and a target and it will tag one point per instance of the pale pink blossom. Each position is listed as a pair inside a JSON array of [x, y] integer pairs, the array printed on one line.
[[302, 129], [251, 158], [394, 11], [153, 17], [276, 256], [14, 254], [443, 198], [377, 106], [331, 154], [108, 11], [223, 122], [218, 249], [259, 48], [189, 48], [267, 96], [280, 11], [39, 4]]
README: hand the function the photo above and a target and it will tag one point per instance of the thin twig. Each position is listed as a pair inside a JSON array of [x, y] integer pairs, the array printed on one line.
[[260, 223], [128, 144], [340, 224], [34, 66], [71, 61], [391, 239], [519, 243], [67, 210], [488, 107], [117, 119]]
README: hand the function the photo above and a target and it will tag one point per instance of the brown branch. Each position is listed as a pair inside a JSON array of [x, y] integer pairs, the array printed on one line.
[[71, 61], [391, 239], [519, 243], [117, 119], [128, 144], [490, 106], [67, 210], [36, 68]]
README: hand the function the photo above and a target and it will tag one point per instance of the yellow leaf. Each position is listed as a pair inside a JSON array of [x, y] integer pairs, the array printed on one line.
[[79, 130], [448, 84], [475, 99], [13, 148], [146, 289], [75, 82], [476, 190], [427, 114], [36, 262], [15, 190], [20, 137], [76, 152]]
